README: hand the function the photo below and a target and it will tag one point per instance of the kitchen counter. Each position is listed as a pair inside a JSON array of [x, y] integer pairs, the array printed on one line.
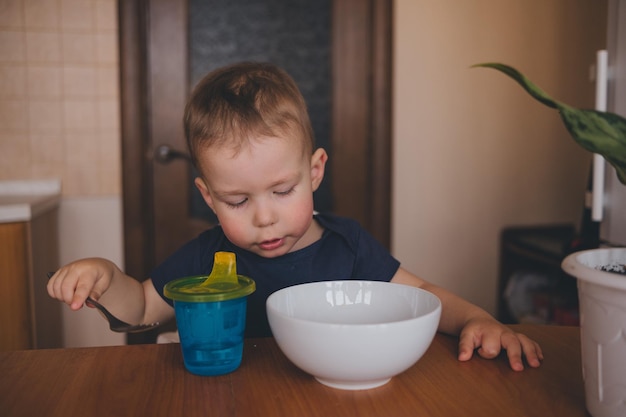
[[29, 318], [22, 200]]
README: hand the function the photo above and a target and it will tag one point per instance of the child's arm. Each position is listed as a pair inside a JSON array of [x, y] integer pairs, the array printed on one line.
[[476, 328], [126, 298]]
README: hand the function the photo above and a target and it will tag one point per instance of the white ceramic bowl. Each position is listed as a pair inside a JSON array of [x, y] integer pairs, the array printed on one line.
[[353, 334]]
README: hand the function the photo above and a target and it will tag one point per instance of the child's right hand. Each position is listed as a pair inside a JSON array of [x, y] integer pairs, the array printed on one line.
[[74, 282]]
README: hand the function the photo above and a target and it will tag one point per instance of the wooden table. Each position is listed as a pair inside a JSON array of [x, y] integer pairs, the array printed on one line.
[[150, 380]]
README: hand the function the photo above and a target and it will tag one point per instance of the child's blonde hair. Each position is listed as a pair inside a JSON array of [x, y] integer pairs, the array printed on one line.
[[234, 103]]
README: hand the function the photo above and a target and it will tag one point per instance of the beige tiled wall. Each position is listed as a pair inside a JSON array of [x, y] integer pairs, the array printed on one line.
[[59, 95]]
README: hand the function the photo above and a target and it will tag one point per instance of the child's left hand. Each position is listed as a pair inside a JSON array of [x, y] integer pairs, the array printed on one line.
[[488, 337]]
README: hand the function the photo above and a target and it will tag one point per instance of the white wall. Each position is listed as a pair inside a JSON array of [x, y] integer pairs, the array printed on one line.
[[473, 153], [90, 227]]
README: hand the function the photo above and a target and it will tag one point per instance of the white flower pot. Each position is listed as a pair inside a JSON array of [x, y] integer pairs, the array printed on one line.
[[602, 298]]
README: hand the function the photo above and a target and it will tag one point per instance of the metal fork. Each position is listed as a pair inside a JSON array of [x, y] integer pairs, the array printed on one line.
[[116, 324]]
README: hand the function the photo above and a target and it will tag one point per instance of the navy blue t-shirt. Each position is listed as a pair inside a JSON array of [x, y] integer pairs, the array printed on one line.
[[345, 251]]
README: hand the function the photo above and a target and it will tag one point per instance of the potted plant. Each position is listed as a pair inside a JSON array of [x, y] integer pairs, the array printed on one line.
[[600, 273]]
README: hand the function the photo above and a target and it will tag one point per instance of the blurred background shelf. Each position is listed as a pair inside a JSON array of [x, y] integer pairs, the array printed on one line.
[[532, 287]]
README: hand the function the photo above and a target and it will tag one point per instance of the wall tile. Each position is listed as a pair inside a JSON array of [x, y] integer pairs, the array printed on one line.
[[41, 14], [47, 155], [80, 81], [14, 156], [80, 114], [77, 15], [45, 116], [13, 116], [44, 81], [11, 16], [12, 82], [78, 48], [108, 81], [110, 163], [59, 93], [12, 47], [43, 47], [106, 15], [81, 164], [106, 48], [108, 114]]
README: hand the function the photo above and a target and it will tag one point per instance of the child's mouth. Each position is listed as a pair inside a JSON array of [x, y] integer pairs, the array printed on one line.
[[271, 244]]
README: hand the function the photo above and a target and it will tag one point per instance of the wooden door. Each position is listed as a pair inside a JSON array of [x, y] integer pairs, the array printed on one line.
[[155, 83]]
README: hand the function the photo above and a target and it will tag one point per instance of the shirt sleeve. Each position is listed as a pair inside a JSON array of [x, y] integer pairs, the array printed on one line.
[[370, 260], [373, 261]]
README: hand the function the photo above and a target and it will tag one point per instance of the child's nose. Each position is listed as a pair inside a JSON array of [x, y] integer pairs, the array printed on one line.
[[264, 215]]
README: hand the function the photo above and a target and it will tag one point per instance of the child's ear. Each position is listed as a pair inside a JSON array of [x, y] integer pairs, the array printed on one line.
[[318, 164], [204, 191]]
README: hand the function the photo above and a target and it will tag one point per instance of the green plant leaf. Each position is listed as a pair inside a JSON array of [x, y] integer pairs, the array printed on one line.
[[603, 133], [528, 85], [599, 132]]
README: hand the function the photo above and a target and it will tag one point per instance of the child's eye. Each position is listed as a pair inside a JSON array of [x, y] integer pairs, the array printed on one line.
[[237, 204], [286, 192]]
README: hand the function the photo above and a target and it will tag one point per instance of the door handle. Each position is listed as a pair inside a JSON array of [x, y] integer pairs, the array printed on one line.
[[164, 154]]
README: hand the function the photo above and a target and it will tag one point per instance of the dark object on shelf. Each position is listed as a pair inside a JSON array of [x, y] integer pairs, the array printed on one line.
[[532, 286]]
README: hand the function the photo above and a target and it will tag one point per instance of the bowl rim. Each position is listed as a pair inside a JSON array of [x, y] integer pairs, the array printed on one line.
[[435, 311]]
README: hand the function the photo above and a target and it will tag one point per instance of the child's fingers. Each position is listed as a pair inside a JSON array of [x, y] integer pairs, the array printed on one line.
[[532, 351], [518, 346], [50, 285], [489, 341], [61, 287], [490, 346], [72, 285], [80, 295], [466, 346], [487, 345], [513, 348]]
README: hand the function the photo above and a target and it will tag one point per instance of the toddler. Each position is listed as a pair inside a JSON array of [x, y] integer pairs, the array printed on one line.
[[249, 136]]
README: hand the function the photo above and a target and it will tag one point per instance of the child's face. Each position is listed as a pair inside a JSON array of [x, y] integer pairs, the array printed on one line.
[[263, 195]]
